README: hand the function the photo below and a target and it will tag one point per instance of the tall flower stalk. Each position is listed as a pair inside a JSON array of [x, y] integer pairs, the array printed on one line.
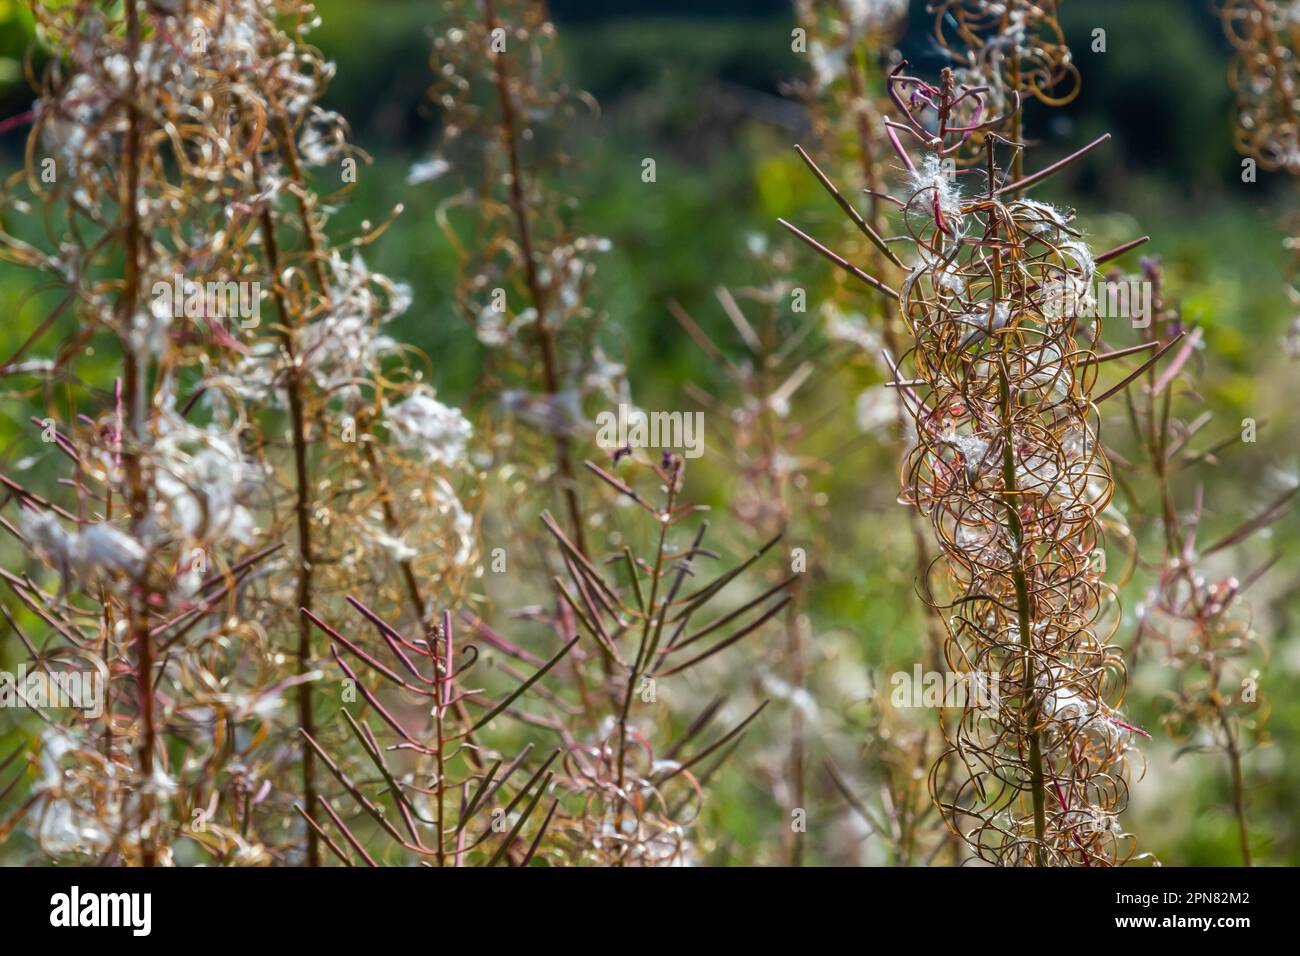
[[767, 431], [524, 273], [176, 144], [1009, 471], [1202, 629]]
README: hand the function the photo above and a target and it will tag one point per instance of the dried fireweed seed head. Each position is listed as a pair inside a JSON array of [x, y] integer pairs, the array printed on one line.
[[265, 440], [1008, 469], [1265, 75]]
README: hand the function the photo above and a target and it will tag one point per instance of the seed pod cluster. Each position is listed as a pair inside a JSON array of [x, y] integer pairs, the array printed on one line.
[[1009, 47], [1009, 469], [1265, 76]]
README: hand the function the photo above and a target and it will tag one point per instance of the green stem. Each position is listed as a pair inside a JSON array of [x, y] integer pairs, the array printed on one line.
[[1028, 712]]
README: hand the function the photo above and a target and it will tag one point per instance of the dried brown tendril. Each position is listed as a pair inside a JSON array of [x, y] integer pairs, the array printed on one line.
[[1007, 49]]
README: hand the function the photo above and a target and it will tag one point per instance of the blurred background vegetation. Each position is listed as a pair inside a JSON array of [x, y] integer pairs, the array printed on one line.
[[702, 86]]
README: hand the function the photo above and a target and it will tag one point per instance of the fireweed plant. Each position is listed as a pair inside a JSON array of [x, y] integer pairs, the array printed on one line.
[[1265, 76], [1201, 628], [764, 430], [638, 781], [525, 284], [1009, 471], [242, 466], [525, 273], [622, 790], [849, 47], [1002, 52], [618, 787]]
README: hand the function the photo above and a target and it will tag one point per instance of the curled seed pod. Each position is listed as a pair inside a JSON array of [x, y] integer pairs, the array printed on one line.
[[1010, 45], [1008, 49], [1265, 76]]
